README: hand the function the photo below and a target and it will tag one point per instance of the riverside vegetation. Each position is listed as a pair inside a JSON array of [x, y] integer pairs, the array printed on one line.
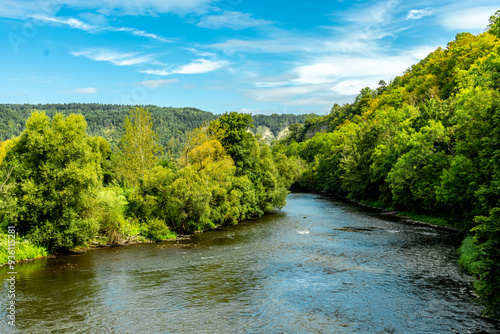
[[64, 189], [427, 143]]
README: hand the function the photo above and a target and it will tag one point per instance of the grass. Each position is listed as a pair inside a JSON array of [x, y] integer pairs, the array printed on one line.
[[24, 249], [424, 218], [466, 253]]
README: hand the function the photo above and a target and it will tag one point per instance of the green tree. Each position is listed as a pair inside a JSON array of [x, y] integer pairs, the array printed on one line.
[[54, 167], [139, 146], [494, 26], [487, 241], [231, 130]]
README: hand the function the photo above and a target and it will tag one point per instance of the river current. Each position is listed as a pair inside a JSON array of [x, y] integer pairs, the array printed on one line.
[[317, 266]]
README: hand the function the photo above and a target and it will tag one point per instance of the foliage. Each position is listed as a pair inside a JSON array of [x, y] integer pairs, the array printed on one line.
[[158, 230], [139, 147], [53, 168], [494, 26], [487, 253], [467, 252]]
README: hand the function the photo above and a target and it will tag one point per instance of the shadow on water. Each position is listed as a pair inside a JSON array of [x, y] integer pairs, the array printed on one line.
[[319, 265]]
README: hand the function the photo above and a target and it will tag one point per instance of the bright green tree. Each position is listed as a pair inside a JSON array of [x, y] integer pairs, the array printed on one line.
[[139, 148]]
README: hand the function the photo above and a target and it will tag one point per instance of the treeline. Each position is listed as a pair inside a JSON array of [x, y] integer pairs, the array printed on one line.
[[63, 188], [426, 143], [105, 120]]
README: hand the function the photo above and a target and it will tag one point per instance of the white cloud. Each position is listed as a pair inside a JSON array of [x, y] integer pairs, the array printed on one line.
[[197, 66], [475, 18], [330, 69], [71, 22], [380, 13], [152, 84], [201, 53], [88, 90], [231, 20], [142, 33], [416, 14], [114, 57], [78, 24], [201, 66], [162, 72]]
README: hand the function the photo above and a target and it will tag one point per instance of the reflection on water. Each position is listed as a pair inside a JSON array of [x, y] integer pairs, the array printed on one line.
[[317, 266]]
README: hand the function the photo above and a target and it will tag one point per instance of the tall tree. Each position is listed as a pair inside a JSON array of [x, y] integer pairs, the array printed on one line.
[[139, 146], [53, 168]]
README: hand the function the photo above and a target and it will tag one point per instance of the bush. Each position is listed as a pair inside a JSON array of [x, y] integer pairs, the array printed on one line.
[[158, 230], [467, 258]]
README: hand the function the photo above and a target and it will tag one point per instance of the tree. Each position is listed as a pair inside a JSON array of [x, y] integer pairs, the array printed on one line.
[[487, 241], [231, 130], [55, 167], [139, 146], [494, 26]]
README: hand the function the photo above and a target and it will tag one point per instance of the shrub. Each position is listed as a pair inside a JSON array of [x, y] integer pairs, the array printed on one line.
[[158, 230]]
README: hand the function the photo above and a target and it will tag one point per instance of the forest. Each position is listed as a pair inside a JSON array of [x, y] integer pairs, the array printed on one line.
[[105, 120], [426, 144]]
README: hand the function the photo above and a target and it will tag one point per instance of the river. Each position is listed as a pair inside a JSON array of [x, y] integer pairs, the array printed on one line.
[[317, 266]]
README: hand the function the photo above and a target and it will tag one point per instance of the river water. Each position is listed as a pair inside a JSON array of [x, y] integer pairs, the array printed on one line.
[[317, 266]]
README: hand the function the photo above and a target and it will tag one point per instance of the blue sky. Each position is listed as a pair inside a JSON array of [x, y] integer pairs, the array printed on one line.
[[230, 55]]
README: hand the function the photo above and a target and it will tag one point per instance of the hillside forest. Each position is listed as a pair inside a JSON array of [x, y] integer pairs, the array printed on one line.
[[170, 124]]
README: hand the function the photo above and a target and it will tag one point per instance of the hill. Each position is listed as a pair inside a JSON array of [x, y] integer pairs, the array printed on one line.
[[105, 120]]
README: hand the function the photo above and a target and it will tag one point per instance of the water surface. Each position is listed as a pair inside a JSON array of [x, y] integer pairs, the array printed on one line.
[[317, 266]]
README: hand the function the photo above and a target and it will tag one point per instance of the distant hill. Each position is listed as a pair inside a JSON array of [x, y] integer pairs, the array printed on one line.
[[171, 124]]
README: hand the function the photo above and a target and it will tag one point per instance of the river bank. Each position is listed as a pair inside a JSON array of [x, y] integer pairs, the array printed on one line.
[[418, 220]]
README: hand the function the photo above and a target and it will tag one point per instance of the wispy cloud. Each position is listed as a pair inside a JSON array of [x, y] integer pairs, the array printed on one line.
[[331, 69], [466, 19], [197, 66], [231, 20], [115, 57], [70, 22], [152, 84], [78, 24], [88, 90], [137, 32], [201, 65], [25, 8], [416, 14]]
